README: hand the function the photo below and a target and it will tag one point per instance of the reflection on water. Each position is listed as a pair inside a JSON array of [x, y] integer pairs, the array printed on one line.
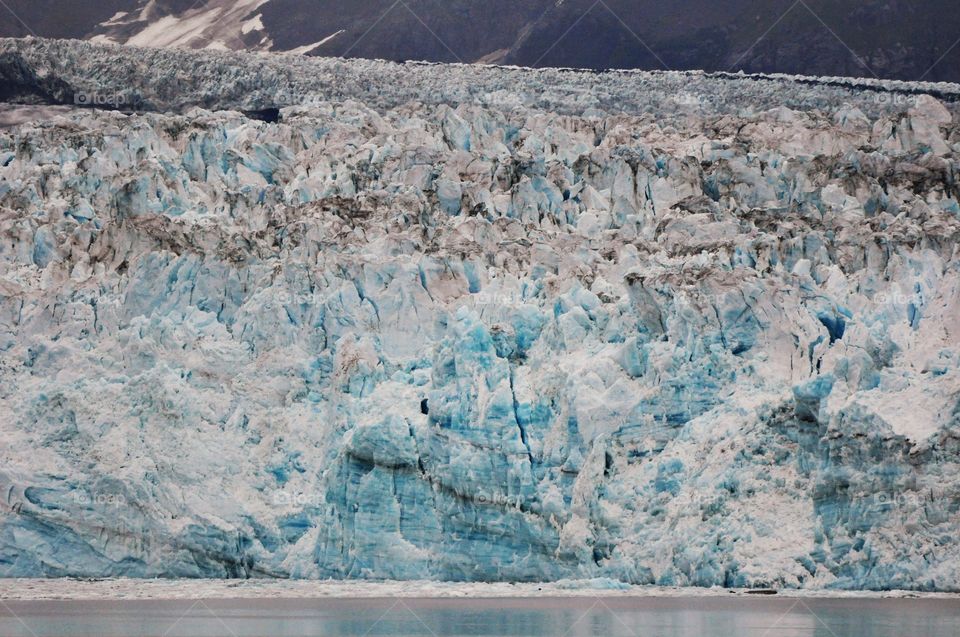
[[609, 617]]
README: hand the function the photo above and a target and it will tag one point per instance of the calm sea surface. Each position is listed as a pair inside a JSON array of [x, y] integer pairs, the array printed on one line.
[[550, 617]]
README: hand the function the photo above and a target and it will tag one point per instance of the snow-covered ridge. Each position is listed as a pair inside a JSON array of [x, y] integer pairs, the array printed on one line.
[[477, 324]]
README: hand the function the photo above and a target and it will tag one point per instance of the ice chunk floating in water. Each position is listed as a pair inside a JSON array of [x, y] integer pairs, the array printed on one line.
[[477, 338]]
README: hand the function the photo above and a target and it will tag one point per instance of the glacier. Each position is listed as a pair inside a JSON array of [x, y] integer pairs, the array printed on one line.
[[442, 322]]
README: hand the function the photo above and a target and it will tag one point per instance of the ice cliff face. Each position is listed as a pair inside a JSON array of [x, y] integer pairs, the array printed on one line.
[[482, 342]]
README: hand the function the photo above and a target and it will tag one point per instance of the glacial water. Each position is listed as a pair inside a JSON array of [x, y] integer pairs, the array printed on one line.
[[386, 617]]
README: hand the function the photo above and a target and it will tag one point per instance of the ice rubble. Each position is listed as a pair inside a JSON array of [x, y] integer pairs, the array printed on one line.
[[35, 589], [454, 339], [59, 71]]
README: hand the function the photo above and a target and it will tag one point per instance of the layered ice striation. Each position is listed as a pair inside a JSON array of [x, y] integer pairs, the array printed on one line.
[[461, 340]]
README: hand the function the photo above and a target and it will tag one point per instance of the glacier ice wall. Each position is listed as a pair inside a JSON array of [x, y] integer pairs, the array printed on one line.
[[482, 342]]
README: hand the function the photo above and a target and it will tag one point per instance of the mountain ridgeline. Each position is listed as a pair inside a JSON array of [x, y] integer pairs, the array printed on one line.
[[892, 39]]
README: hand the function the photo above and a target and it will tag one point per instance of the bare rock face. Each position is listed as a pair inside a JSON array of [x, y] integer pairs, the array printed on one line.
[[479, 339]]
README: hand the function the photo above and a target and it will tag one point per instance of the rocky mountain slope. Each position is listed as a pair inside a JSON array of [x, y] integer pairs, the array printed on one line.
[[884, 38], [467, 323]]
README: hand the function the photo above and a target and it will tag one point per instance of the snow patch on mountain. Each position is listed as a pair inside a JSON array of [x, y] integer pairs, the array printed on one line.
[[213, 24], [253, 24], [303, 50]]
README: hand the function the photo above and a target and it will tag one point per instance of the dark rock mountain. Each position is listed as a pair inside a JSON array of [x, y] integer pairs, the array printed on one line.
[[884, 38]]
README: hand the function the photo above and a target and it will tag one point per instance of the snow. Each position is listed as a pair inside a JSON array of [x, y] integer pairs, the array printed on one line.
[[101, 38], [470, 324], [253, 24], [219, 22], [217, 45], [170, 31], [117, 18], [303, 50], [915, 410]]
